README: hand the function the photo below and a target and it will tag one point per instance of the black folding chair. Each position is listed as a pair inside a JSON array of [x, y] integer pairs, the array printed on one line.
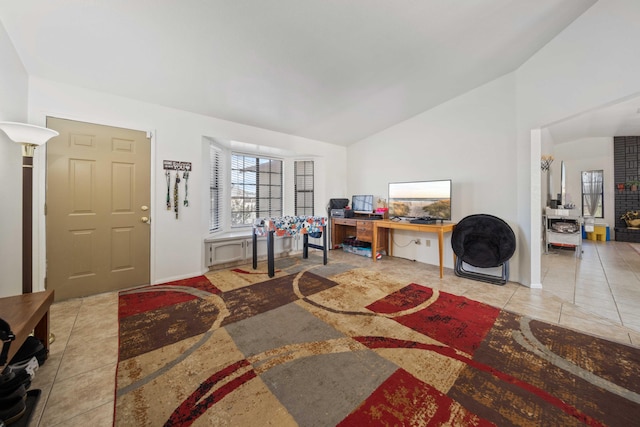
[[483, 241]]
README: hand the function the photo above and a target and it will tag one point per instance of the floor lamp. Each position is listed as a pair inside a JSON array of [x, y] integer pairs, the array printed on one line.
[[30, 137]]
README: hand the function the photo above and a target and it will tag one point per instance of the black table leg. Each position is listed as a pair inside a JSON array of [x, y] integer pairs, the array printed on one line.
[[255, 251], [270, 254], [324, 246], [305, 246]]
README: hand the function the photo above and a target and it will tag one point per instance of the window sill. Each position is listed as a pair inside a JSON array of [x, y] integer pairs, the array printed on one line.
[[230, 235]]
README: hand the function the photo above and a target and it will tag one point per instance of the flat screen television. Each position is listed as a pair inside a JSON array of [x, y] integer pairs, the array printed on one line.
[[362, 203], [420, 199]]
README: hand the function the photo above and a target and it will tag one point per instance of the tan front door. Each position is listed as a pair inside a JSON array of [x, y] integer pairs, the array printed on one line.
[[97, 206]]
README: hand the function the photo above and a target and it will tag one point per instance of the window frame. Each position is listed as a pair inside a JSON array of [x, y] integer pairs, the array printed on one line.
[[216, 187], [302, 178], [600, 208], [222, 166], [267, 176]]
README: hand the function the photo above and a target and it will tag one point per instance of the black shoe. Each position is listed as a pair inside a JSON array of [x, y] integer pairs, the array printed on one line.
[[12, 381], [32, 347], [19, 392], [14, 410], [31, 366]]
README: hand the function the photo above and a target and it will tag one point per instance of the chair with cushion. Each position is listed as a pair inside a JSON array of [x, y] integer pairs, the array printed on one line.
[[483, 241]]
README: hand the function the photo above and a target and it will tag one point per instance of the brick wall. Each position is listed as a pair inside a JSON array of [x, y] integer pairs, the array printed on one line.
[[626, 155]]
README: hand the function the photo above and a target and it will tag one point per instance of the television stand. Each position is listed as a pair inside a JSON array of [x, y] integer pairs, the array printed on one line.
[[389, 226]]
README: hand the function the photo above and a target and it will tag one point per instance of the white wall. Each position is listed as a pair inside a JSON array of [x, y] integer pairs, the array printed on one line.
[[178, 245], [469, 139], [593, 62], [585, 155], [13, 107]]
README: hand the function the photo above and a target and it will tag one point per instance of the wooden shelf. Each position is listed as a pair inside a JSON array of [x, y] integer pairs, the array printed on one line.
[[26, 313]]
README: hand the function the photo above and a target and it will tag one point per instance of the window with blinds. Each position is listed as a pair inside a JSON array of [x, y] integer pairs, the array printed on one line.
[[215, 188], [256, 188], [303, 175]]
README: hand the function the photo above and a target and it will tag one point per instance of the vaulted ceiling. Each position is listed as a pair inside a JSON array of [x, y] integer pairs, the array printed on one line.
[[332, 70]]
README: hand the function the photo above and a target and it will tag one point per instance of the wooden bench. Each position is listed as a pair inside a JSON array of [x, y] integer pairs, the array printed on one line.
[[27, 313], [289, 226]]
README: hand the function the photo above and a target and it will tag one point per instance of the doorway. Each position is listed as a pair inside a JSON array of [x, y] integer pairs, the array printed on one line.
[[97, 209]]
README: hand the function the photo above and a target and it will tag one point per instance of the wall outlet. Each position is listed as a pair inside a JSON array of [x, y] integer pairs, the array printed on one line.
[[417, 241], [427, 243]]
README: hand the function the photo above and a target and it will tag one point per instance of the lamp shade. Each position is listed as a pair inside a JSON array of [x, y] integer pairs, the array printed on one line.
[[24, 133]]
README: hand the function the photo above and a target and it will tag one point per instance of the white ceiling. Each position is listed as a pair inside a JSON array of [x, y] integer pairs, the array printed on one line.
[[332, 70], [620, 119]]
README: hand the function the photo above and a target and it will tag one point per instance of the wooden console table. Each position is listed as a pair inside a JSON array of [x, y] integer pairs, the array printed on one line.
[[389, 225], [26, 313]]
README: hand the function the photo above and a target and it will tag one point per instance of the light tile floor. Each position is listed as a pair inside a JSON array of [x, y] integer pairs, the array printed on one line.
[[599, 294]]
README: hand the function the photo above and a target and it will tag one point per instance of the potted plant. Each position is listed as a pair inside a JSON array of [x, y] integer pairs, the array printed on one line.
[[632, 218], [621, 187], [633, 185]]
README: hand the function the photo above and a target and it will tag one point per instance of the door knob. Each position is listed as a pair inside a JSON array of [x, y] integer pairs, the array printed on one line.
[[146, 220], [144, 208]]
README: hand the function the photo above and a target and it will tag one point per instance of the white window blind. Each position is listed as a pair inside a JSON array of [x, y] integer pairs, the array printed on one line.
[[256, 188], [303, 172], [215, 187]]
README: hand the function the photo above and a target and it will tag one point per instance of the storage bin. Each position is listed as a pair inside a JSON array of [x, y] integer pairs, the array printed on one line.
[[357, 250], [600, 233]]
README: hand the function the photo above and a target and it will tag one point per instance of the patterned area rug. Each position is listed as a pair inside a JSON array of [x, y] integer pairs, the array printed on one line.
[[335, 345]]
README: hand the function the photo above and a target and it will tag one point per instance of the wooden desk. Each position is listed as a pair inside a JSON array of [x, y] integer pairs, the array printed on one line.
[[439, 229], [360, 227], [25, 313]]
